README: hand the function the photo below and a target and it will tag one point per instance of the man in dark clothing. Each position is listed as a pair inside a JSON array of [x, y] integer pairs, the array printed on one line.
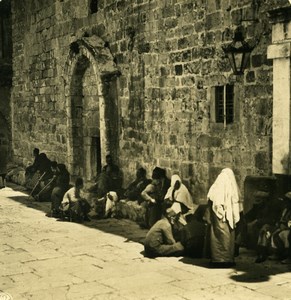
[[133, 191], [110, 179], [61, 186], [47, 183]]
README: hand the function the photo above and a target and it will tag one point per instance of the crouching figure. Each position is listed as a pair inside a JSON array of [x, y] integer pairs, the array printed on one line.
[[159, 240], [74, 205]]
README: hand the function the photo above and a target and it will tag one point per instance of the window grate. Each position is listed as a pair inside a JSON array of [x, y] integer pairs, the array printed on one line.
[[224, 104]]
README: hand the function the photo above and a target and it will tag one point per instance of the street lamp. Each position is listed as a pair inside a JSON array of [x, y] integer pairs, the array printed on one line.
[[238, 53]]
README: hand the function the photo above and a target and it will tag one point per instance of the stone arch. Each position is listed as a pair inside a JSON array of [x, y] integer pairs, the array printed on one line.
[[90, 77]]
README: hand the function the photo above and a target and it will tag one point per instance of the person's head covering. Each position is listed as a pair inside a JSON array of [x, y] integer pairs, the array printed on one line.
[[158, 173], [36, 151], [111, 199], [181, 194], [141, 172], [79, 182], [112, 196], [224, 194]]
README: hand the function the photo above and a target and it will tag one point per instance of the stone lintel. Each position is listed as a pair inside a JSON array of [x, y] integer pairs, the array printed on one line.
[[281, 50]]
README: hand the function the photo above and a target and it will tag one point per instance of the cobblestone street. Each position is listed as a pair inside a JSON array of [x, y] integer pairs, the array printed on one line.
[[42, 258]]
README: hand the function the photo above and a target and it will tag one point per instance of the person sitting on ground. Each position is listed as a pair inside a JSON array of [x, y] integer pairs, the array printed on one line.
[[159, 240], [47, 183], [288, 259], [271, 213], [279, 237], [153, 196], [253, 220], [42, 176], [110, 205], [75, 204], [178, 192], [192, 233], [110, 179], [133, 191], [61, 186]]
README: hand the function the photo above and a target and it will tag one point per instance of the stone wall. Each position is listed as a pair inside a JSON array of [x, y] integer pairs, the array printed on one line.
[[168, 58]]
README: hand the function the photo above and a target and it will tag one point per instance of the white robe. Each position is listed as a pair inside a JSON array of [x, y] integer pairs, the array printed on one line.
[[224, 194]]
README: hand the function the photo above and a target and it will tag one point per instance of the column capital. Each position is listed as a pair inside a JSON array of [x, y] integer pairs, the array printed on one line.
[[280, 50]]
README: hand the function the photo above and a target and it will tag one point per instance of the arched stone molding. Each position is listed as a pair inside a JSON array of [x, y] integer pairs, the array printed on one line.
[[85, 53]]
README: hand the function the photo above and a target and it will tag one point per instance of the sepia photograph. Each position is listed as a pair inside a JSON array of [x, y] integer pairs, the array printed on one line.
[[145, 149]]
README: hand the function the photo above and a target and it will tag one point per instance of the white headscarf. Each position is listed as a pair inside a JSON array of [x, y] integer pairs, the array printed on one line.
[[181, 195], [224, 194], [111, 199]]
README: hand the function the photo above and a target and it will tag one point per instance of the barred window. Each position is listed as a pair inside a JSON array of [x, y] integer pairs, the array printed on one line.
[[224, 104]]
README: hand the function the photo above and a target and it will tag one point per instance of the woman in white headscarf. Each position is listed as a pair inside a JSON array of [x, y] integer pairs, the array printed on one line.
[[192, 231], [223, 199], [178, 192]]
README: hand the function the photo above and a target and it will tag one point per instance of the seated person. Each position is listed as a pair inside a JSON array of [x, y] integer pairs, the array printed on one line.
[[105, 207], [47, 183], [110, 204], [288, 259], [75, 204], [271, 213], [153, 196], [178, 192], [265, 210], [279, 237], [159, 240], [133, 191], [42, 176], [110, 179], [61, 186]]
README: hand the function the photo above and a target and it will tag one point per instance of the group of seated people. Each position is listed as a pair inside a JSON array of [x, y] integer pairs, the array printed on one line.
[[47, 180], [267, 227], [176, 224]]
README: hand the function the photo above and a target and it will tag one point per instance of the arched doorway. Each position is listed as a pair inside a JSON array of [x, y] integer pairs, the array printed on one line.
[[92, 108]]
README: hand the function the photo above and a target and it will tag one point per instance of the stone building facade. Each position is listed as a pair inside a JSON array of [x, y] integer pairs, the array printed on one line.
[[143, 80]]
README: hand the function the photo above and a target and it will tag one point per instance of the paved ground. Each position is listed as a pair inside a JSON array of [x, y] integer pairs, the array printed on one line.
[[41, 258]]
